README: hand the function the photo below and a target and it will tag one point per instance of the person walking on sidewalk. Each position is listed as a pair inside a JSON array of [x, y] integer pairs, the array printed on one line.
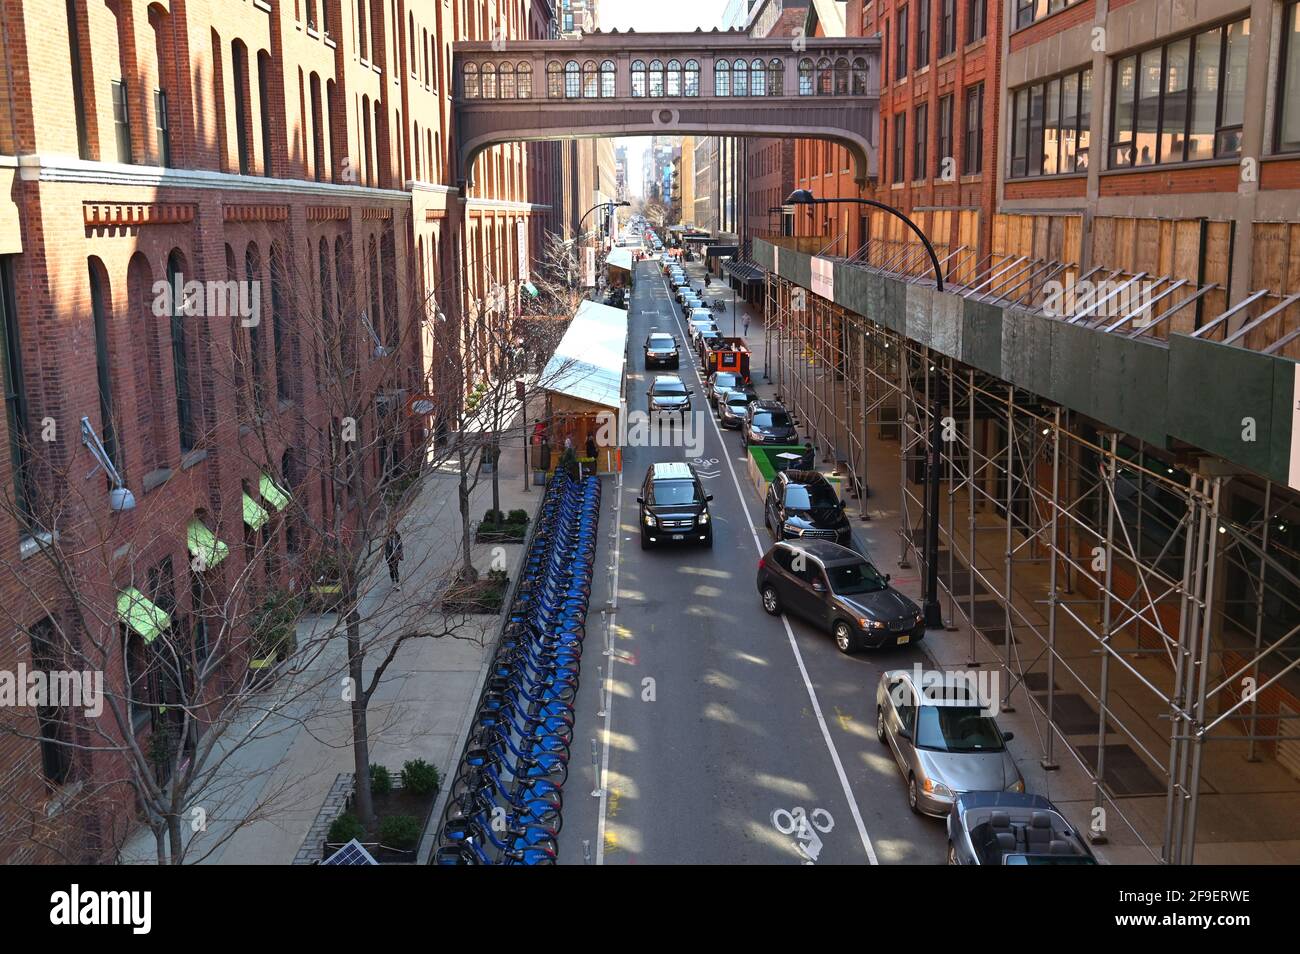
[[393, 554], [746, 332]]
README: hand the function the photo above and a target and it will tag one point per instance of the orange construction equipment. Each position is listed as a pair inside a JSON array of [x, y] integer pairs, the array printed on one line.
[[732, 356]]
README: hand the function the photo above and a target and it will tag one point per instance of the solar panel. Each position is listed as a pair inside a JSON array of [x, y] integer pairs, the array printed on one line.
[[353, 853]]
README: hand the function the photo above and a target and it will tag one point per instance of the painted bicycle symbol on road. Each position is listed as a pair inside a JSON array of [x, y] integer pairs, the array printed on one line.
[[805, 827], [701, 463]]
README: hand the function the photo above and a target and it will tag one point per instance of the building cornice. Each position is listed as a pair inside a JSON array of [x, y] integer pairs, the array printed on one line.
[[474, 204]]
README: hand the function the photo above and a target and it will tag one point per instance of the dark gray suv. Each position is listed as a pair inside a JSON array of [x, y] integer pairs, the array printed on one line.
[[837, 590]]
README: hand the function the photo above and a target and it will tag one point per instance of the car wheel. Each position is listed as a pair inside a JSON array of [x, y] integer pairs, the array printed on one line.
[[912, 802], [880, 726], [844, 638], [952, 853], [771, 602]]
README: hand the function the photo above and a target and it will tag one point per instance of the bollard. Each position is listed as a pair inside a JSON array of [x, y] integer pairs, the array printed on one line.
[[600, 687], [586, 851], [597, 792]]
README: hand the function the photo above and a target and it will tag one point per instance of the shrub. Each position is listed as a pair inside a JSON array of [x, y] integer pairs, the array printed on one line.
[[494, 516], [420, 778], [381, 783], [400, 831], [344, 828], [517, 516], [499, 577]]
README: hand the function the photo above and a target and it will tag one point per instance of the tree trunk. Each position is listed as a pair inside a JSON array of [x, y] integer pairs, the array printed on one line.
[[360, 732], [467, 570], [176, 837]]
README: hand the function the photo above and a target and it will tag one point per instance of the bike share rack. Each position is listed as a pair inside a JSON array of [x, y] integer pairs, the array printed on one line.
[[507, 797]]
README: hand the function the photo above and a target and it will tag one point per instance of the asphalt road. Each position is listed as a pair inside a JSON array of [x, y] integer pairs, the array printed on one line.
[[729, 736]]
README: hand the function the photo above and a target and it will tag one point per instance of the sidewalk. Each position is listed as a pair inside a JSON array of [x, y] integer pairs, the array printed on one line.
[[1250, 813], [281, 769]]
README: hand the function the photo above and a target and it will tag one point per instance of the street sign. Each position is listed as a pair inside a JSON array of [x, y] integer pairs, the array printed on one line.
[[420, 405]]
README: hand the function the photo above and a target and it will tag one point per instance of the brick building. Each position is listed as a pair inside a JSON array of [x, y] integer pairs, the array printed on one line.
[[295, 145]]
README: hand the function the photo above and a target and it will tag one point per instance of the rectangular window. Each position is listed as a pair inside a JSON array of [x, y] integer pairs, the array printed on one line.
[[920, 133], [947, 27], [78, 90], [15, 395], [56, 727], [1286, 136], [1049, 126], [1181, 101], [164, 136], [973, 146], [945, 135], [122, 122], [1029, 11], [922, 33], [900, 145], [900, 39], [976, 23]]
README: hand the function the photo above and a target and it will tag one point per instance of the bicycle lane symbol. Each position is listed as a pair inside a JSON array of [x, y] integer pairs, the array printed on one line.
[[705, 462], [805, 827]]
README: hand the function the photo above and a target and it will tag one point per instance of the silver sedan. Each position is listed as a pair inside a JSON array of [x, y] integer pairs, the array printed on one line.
[[943, 739]]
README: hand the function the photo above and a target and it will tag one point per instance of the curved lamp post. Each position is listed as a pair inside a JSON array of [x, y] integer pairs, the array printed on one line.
[[609, 207], [933, 611]]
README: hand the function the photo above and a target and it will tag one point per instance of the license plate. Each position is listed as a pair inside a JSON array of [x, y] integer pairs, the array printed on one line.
[[679, 536], [904, 639]]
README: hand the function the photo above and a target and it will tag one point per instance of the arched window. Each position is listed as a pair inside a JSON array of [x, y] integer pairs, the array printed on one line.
[[506, 74], [572, 80], [180, 354], [673, 78], [607, 79], [740, 78], [775, 78], [757, 79], [841, 77], [721, 78], [824, 76], [656, 78], [554, 80], [489, 81], [805, 77], [860, 77], [524, 82], [691, 79], [590, 84], [470, 80], [638, 77], [279, 338]]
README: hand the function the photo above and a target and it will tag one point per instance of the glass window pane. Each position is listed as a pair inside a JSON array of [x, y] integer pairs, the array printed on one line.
[[1085, 121], [1121, 137], [1205, 95], [1052, 128], [1288, 138], [1148, 108], [1234, 86], [1034, 132], [1069, 120], [1174, 117]]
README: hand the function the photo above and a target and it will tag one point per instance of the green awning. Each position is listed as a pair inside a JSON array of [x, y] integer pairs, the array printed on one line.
[[142, 614], [204, 545], [254, 515], [531, 289], [272, 493]]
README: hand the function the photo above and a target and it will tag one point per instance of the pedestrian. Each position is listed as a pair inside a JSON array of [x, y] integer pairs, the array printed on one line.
[[746, 332], [591, 451], [393, 554], [809, 458], [706, 279]]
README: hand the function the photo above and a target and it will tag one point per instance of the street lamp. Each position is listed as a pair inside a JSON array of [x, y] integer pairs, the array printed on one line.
[[609, 207], [933, 611]]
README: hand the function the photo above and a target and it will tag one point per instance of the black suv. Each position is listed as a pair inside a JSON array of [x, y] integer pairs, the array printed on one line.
[[767, 423], [674, 507], [661, 350], [668, 393], [837, 590], [802, 503]]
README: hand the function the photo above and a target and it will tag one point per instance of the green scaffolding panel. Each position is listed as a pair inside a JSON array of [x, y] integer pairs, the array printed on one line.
[[981, 338], [1027, 350]]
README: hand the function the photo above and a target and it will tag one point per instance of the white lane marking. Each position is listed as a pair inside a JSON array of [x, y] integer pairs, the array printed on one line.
[[794, 646], [609, 678]]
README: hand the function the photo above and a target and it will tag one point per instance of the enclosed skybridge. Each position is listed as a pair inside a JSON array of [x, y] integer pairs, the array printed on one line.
[[635, 84]]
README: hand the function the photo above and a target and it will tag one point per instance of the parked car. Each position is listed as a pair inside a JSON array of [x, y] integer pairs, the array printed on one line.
[[732, 407], [839, 591], [1012, 828], [767, 423], [699, 320], [943, 739], [661, 350], [723, 381], [803, 504], [667, 392], [674, 507]]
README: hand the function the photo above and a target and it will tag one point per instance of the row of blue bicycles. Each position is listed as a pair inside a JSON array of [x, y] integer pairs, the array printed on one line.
[[507, 798]]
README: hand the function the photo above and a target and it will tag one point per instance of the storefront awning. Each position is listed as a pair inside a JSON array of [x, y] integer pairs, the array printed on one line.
[[619, 258], [203, 545], [745, 271], [272, 493], [254, 515], [588, 362], [142, 614]]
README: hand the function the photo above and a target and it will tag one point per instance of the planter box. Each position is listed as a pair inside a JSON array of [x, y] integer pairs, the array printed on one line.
[[383, 853], [501, 533], [483, 598]]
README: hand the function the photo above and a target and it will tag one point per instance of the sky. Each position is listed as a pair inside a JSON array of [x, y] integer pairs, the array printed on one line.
[[667, 16]]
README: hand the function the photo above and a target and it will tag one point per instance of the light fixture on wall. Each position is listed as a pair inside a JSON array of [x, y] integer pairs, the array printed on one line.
[[119, 497]]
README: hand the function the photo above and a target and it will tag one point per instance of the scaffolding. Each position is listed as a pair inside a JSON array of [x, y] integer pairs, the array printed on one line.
[[1145, 603]]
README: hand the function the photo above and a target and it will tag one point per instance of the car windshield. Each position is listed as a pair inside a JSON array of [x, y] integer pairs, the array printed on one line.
[[1047, 860], [737, 399], [851, 579], [810, 496], [956, 729], [673, 492], [660, 341], [771, 419], [669, 386], [724, 379]]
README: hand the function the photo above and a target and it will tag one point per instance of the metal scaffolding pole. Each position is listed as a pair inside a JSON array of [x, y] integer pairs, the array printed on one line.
[[1048, 761], [865, 431], [1007, 592], [905, 532], [1259, 622], [951, 622], [971, 552], [1103, 692]]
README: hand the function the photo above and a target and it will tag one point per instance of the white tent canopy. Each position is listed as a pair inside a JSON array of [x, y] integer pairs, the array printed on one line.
[[619, 258], [588, 362]]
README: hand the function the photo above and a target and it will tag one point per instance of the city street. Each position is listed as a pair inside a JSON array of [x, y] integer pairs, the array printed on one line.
[[756, 722]]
